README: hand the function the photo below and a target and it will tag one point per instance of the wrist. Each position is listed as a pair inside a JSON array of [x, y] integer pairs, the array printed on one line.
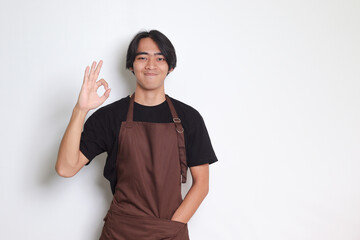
[[78, 110]]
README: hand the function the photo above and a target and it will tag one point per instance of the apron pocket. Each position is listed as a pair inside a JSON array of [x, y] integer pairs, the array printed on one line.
[[144, 227], [172, 221], [182, 232]]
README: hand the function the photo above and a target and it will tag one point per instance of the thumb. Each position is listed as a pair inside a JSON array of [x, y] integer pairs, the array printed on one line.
[[106, 95]]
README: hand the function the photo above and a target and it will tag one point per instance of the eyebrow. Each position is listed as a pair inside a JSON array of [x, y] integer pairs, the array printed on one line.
[[146, 53]]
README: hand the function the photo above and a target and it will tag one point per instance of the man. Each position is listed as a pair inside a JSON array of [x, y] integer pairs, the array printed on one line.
[[150, 139]]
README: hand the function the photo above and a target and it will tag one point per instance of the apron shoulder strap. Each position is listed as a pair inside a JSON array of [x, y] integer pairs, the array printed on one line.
[[180, 137], [130, 114]]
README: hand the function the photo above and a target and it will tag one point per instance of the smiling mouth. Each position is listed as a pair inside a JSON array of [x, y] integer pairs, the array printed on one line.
[[150, 74]]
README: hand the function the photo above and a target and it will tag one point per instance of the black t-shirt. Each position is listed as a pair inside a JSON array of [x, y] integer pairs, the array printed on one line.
[[101, 130]]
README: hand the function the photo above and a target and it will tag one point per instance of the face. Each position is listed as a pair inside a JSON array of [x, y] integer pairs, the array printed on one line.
[[150, 66]]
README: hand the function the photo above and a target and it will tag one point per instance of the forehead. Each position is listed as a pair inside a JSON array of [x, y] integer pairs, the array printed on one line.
[[148, 45]]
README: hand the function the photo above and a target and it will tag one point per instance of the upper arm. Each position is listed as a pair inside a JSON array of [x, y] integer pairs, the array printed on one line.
[[70, 171], [82, 159], [200, 175], [81, 163]]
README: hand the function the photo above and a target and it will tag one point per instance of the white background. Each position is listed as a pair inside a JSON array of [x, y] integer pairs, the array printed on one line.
[[277, 83]]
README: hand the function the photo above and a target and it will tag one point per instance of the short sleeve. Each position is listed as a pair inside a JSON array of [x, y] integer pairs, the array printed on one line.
[[93, 136], [199, 149]]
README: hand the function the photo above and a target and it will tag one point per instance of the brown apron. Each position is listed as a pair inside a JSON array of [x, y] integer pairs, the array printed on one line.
[[150, 162]]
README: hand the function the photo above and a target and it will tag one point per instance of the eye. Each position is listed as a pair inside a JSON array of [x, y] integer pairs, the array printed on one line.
[[161, 59], [141, 58]]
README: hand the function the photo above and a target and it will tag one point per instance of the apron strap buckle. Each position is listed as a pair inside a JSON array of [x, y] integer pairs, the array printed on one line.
[[180, 131], [177, 120]]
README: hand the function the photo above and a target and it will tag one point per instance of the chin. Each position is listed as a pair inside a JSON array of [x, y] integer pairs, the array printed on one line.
[[149, 86]]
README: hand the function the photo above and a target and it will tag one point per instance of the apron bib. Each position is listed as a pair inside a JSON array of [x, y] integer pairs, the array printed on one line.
[[151, 161]]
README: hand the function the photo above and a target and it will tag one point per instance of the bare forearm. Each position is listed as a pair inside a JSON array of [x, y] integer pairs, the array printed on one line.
[[191, 203], [68, 155], [70, 160]]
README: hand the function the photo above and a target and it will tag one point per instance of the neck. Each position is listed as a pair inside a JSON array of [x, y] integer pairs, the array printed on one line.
[[149, 97]]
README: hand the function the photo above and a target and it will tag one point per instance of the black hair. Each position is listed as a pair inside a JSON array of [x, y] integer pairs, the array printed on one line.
[[163, 43]]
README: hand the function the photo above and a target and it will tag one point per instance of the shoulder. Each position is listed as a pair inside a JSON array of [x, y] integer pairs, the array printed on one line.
[[199, 149], [112, 110], [190, 117], [185, 110]]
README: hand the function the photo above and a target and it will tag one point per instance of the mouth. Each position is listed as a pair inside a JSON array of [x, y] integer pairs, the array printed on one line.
[[150, 74]]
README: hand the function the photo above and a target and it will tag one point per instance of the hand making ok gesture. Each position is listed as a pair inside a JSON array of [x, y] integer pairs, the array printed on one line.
[[88, 97]]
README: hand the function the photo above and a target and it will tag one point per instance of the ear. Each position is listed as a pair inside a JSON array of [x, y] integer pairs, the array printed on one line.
[[132, 70], [171, 69]]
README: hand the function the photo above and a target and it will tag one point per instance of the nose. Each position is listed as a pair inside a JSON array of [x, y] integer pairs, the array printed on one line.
[[151, 63]]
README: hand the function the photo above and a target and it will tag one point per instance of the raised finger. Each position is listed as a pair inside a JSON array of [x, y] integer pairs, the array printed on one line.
[[92, 71], [86, 75], [97, 70]]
